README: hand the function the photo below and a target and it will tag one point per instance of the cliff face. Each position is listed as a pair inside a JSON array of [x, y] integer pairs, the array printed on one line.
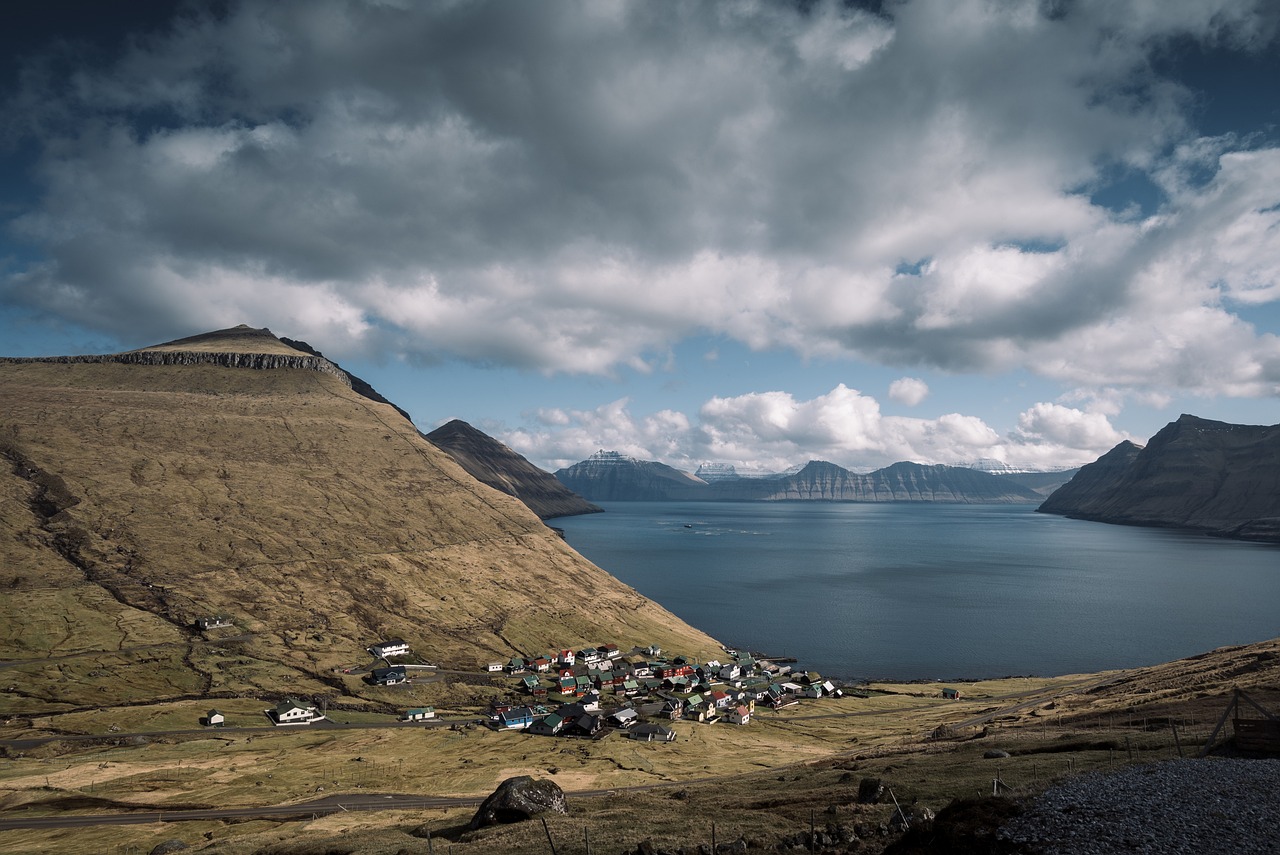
[[1198, 474], [490, 462], [615, 478]]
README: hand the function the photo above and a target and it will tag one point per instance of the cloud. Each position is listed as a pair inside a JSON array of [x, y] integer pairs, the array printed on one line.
[[771, 431], [908, 390], [577, 186]]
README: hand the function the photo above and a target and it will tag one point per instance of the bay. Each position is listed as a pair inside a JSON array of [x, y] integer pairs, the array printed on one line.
[[913, 592]]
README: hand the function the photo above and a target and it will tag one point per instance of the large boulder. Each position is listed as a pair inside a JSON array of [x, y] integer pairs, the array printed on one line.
[[870, 791], [518, 799]]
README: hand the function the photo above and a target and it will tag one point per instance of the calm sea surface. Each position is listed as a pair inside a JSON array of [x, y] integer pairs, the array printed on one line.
[[936, 591]]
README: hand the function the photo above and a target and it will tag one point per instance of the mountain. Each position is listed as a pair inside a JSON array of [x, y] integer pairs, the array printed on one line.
[[608, 476], [1042, 483], [231, 474], [1197, 474], [490, 462]]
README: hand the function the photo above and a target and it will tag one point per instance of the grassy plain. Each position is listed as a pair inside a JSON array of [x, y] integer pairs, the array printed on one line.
[[760, 782]]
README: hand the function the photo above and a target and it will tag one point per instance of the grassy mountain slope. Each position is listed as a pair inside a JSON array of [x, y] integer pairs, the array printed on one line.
[[140, 497]]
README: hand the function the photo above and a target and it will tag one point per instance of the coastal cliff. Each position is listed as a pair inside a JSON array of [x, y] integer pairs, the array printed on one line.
[[1219, 478]]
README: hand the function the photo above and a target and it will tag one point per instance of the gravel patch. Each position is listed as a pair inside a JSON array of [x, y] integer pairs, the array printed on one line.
[[1179, 806]]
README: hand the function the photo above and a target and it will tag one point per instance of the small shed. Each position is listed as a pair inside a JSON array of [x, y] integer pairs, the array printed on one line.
[[215, 719], [951, 694]]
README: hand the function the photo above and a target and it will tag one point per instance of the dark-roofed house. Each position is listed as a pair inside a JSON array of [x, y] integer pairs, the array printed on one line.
[[652, 733], [392, 647], [293, 711], [388, 676], [549, 725]]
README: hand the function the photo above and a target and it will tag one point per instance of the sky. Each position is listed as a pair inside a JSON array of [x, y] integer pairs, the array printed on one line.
[[750, 233]]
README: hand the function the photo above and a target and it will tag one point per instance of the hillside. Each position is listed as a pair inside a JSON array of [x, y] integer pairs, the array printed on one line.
[[608, 476], [1197, 474], [490, 462], [145, 490]]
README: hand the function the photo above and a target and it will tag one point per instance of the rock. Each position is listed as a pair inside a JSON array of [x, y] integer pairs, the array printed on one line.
[[167, 847], [870, 791], [517, 799], [996, 754]]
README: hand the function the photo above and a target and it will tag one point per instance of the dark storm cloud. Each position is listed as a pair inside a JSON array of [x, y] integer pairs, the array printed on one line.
[[576, 186]]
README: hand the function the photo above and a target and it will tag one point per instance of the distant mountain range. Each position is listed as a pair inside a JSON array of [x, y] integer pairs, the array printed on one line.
[[1197, 474], [490, 462], [608, 476]]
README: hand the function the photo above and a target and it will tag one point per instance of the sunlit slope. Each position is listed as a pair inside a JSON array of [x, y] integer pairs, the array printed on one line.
[[319, 520]]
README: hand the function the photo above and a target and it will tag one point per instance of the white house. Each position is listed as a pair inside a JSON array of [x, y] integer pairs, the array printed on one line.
[[393, 647], [293, 711], [495, 666], [215, 719]]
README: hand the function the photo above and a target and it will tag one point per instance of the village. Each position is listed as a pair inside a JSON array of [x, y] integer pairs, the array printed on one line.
[[595, 691]]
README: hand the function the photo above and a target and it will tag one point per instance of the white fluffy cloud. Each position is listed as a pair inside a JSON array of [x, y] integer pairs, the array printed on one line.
[[909, 390], [771, 431], [577, 186]]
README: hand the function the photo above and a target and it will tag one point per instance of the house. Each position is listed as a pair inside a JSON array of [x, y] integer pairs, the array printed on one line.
[[419, 714], [739, 715], [494, 666], [529, 682], [388, 676], [730, 672], [293, 711], [652, 733], [541, 664], [720, 700], [629, 688], [567, 658], [393, 647], [625, 717], [610, 651], [517, 665], [951, 694], [214, 622], [549, 725], [215, 719], [586, 725], [518, 718], [590, 701]]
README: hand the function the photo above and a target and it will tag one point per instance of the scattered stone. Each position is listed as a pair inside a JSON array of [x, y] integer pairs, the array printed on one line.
[[518, 799]]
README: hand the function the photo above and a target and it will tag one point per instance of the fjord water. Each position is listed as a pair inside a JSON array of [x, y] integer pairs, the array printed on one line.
[[936, 591]]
